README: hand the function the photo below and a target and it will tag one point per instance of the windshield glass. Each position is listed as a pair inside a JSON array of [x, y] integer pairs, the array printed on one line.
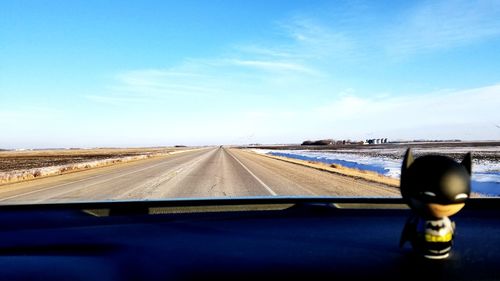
[[136, 100]]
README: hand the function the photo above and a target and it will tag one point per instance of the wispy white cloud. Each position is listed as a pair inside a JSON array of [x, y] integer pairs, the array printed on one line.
[[434, 25], [313, 39], [244, 75], [279, 66], [198, 80], [277, 91], [357, 33], [26, 114], [115, 100], [268, 51], [447, 114], [247, 70], [444, 109]]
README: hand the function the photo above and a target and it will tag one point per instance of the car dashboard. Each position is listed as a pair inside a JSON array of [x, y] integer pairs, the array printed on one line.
[[242, 238]]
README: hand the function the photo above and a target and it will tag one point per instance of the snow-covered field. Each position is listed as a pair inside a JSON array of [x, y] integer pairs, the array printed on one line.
[[485, 168]]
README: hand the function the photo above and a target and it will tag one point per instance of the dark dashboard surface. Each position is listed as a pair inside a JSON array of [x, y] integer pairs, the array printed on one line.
[[250, 239]]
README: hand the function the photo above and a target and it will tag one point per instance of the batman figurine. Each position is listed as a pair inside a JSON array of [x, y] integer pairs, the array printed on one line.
[[435, 187]]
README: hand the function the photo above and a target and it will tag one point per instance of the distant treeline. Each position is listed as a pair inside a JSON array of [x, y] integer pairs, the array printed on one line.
[[329, 142], [318, 142], [344, 142]]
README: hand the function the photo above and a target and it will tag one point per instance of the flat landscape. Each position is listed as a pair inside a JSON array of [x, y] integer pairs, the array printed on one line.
[[385, 159], [29, 159], [484, 150], [208, 172], [168, 172], [16, 166]]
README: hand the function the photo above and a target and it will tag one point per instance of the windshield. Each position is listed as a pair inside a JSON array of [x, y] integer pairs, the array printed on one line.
[[145, 100]]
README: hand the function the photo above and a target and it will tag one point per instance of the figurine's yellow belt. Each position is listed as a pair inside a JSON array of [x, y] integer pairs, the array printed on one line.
[[438, 238]]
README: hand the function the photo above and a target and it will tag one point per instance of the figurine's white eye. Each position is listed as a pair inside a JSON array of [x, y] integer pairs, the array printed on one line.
[[428, 193], [461, 196]]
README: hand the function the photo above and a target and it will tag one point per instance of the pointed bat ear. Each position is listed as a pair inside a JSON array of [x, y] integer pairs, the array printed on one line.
[[407, 160], [467, 162]]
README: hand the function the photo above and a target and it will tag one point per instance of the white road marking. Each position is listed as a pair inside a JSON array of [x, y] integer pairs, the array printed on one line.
[[253, 175]]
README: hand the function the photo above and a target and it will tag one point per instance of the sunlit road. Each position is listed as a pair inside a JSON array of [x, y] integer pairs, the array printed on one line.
[[214, 172]]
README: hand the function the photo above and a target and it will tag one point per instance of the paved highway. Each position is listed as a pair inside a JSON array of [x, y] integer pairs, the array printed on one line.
[[213, 172]]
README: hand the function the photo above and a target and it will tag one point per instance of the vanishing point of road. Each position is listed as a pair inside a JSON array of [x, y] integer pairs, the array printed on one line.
[[211, 172]]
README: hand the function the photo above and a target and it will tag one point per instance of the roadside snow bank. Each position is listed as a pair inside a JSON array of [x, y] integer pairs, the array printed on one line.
[[485, 173]]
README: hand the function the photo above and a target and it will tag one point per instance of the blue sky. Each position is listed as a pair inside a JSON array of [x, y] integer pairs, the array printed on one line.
[[148, 73]]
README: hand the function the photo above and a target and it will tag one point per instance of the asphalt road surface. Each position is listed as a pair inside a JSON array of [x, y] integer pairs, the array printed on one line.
[[213, 172]]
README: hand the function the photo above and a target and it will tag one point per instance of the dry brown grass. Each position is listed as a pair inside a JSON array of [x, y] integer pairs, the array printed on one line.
[[29, 159], [339, 169], [18, 166]]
